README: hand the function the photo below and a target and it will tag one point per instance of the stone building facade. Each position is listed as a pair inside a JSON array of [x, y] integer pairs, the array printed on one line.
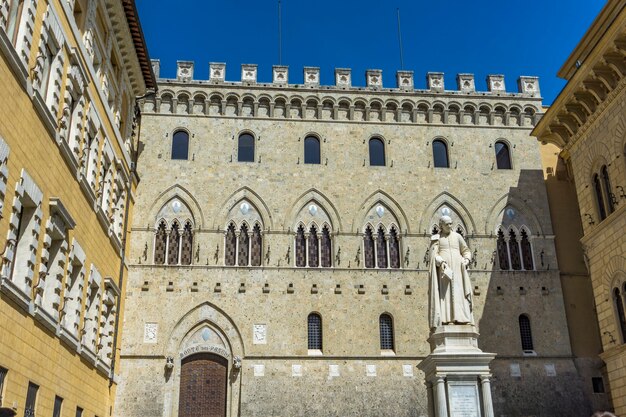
[[69, 74], [587, 124], [280, 247]]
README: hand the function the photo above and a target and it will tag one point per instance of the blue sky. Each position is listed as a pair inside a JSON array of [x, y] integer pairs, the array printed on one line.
[[481, 37]]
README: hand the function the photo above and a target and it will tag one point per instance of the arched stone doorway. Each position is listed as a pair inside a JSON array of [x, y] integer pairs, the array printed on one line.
[[203, 386]]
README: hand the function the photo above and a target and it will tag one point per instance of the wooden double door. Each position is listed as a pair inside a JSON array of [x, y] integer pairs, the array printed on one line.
[[203, 386]]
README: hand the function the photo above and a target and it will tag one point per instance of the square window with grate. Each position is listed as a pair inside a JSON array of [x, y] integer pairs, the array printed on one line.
[[58, 403], [315, 332], [598, 385], [31, 400], [386, 332]]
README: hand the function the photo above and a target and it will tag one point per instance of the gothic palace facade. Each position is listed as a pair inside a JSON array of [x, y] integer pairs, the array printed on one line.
[[279, 249]]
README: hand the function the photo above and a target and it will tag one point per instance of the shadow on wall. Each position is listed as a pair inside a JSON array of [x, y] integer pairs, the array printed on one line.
[[523, 317]]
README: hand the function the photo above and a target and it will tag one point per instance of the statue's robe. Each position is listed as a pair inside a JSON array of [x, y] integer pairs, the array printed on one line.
[[450, 293]]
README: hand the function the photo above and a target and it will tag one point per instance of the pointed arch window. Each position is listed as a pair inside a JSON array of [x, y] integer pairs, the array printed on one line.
[[230, 246], [440, 154], [300, 247], [606, 182], [173, 245], [394, 249], [243, 243], [377, 152], [256, 246], [599, 200], [160, 244], [187, 245], [503, 253], [381, 248], [386, 332], [311, 150], [526, 335], [368, 246], [527, 253], [245, 148], [313, 247], [326, 249], [514, 251], [180, 145], [618, 302], [503, 155], [314, 324]]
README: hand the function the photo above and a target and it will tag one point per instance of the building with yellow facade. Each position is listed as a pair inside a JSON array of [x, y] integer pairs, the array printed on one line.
[[70, 71], [587, 123]]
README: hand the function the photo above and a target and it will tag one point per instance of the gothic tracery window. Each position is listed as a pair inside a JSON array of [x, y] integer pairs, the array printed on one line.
[[394, 249], [173, 245], [186, 245], [381, 248], [514, 252], [243, 246], [503, 253], [618, 303], [527, 254], [368, 244], [230, 246], [160, 243], [606, 182], [313, 247], [326, 249], [300, 247], [256, 246]]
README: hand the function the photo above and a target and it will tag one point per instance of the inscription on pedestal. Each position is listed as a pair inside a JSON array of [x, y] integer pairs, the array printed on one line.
[[463, 398]]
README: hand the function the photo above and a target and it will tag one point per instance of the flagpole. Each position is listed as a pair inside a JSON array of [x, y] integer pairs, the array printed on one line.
[[399, 41], [280, 36]]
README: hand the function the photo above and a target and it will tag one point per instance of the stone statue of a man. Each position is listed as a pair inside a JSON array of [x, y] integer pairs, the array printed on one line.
[[450, 285]]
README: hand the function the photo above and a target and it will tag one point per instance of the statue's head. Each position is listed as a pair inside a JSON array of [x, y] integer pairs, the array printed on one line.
[[445, 224]]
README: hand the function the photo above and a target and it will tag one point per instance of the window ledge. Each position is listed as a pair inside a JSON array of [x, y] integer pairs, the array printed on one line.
[[16, 64], [387, 352], [66, 336], [9, 288], [44, 112], [529, 353], [45, 318], [315, 352], [88, 354], [68, 155]]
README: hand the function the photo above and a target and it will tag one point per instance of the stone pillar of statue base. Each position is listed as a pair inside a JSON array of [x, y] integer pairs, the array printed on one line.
[[458, 372]]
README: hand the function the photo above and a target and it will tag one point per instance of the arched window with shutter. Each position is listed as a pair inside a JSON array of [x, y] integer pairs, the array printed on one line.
[[440, 154], [180, 145], [160, 244], [386, 332], [503, 155], [314, 324], [377, 152], [311, 150], [526, 334], [245, 148]]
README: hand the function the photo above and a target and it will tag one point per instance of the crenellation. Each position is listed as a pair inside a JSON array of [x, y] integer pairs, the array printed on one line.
[[374, 79], [311, 76], [495, 83], [249, 73], [184, 71], [280, 75], [435, 82]]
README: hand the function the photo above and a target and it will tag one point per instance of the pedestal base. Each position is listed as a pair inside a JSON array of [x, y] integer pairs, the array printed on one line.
[[457, 373]]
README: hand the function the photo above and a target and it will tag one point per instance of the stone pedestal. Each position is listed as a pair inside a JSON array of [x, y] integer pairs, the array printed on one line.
[[457, 373]]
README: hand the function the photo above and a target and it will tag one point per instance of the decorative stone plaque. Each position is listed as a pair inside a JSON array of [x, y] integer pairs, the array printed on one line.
[[495, 83], [343, 77], [311, 76], [463, 399], [529, 85], [248, 73], [217, 71], [259, 370], [466, 83], [404, 80], [370, 370], [280, 74], [407, 370], [259, 334], [550, 369], [333, 370], [435, 81], [150, 332], [184, 71], [374, 78], [515, 370], [296, 370]]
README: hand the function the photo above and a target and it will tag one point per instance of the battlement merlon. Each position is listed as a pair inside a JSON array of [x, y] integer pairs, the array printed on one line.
[[435, 81]]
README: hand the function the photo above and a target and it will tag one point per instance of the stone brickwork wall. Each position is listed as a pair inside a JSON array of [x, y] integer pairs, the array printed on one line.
[[259, 314]]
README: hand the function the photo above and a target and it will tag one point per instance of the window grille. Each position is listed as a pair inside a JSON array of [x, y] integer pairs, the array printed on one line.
[[525, 333], [58, 403], [180, 145], [368, 245], [31, 400], [3, 375], [244, 242], [516, 262], [300, 248], [315, 331], [230, 246], [245, 152], [187, 245], [386, 332], [173, 245], [619, 309], [311, 150], [326, 248], [381, 248], [313, 247], [440, 154], [377, 152], [256, 246], [394, 249], [503, 156], [527, 254]]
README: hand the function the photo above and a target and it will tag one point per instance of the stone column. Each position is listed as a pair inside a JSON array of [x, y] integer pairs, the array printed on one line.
[[441, 406], [487, 403]]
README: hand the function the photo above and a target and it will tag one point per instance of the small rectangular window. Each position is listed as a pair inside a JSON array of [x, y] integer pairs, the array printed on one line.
[[3, 375], [31, 400], [79, 412], [598, 385], [58, 402]]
